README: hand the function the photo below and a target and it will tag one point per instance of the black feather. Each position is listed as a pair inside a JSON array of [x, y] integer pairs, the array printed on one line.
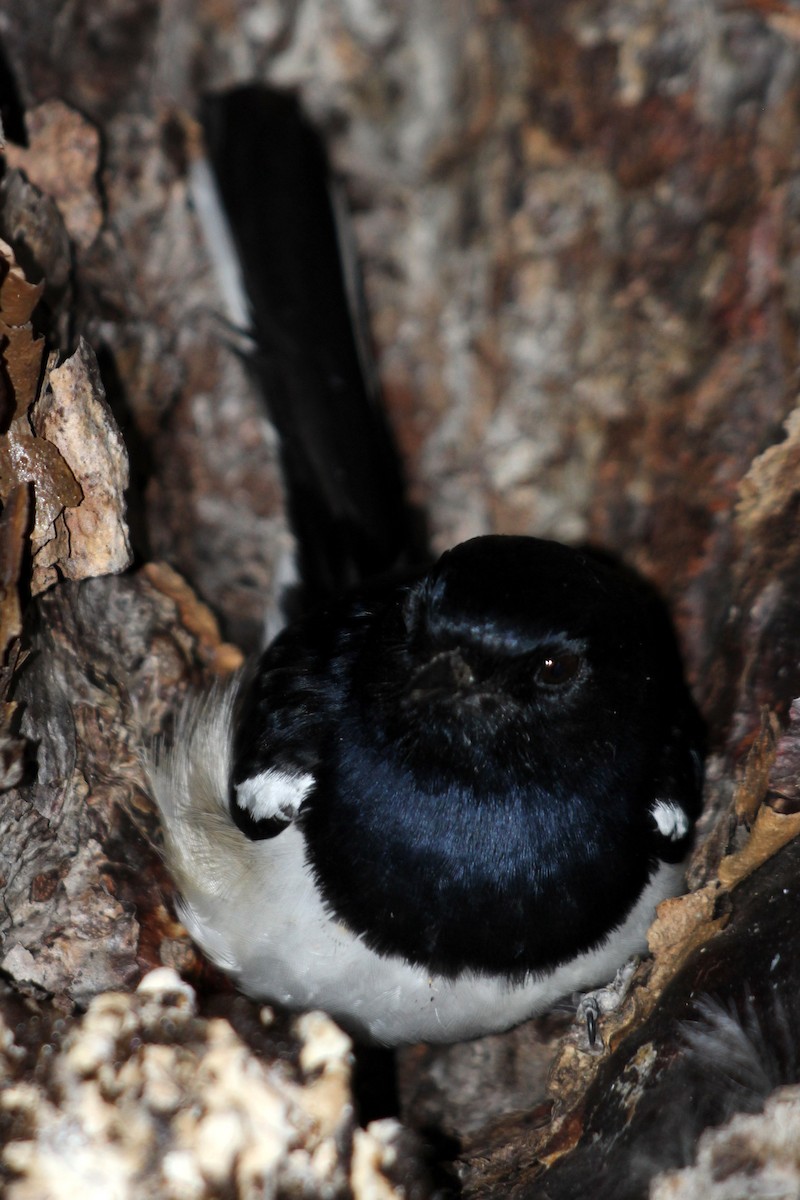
[[344, 483]]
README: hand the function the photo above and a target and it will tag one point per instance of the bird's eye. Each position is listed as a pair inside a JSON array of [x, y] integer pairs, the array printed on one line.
[[554, 670]]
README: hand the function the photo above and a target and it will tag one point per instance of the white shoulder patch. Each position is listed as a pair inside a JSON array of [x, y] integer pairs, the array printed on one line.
[[274, 794], [671, 820]]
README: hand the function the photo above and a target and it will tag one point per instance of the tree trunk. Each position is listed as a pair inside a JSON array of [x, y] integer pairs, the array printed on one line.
[[577, 227]]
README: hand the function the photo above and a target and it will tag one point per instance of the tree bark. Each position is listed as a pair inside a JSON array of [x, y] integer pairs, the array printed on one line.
[[577, 229]]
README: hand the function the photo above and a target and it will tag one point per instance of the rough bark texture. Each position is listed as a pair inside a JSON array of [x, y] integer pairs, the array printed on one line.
[[578, 231]]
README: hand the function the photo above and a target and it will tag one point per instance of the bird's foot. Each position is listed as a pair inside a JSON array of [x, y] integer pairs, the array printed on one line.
[[594, 1005]]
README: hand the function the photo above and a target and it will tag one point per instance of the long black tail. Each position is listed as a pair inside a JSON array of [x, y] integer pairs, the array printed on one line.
[[344, 483]]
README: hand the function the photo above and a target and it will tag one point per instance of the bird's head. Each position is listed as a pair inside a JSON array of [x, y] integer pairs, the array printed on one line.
[[522, 657]]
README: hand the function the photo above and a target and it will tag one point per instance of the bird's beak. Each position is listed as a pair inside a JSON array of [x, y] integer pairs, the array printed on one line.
[[446, 673]]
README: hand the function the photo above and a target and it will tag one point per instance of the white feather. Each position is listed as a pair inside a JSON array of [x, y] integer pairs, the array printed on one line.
[[219, 244], [274, 794], [254, 909], [671, 820]]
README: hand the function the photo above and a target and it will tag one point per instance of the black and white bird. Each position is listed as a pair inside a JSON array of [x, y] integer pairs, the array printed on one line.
[[442, 799], [437, 806]]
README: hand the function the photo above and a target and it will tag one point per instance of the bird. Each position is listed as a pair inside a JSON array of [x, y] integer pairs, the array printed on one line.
[[441, 801], [452, 790]]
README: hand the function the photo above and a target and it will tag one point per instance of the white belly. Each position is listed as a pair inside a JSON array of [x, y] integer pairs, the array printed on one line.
[[272, 934]]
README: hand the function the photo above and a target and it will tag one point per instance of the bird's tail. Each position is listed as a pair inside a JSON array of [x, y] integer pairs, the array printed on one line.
[[310, 350]]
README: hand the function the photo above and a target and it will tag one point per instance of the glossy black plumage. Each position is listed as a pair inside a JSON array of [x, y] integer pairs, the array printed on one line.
[[344, 482], [470, 809]]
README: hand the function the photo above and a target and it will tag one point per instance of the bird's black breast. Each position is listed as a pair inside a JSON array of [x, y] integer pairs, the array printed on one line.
[[452, 878]]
